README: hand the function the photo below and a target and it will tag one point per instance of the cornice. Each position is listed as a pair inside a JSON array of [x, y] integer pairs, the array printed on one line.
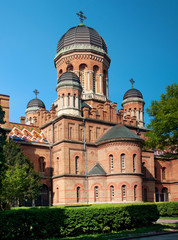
[[74, 56], [120, 141]]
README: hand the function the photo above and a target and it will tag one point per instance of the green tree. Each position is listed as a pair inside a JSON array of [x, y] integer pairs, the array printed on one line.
[[2, 139], [164, 122], [19, 182]]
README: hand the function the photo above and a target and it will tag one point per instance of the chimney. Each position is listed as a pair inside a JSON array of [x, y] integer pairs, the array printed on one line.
[[4, 102], [22, 120]]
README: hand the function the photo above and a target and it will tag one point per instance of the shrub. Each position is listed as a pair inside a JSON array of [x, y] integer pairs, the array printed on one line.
[[167, 208], [58, 222]]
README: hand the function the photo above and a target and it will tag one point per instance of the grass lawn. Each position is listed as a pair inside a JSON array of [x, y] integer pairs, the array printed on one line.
[[127, 233]]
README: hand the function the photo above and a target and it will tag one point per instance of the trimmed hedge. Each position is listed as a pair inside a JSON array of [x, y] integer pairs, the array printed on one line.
[[167, 208], [39, 223]]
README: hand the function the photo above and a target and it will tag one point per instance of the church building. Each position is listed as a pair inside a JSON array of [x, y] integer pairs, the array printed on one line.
[[85, 150]]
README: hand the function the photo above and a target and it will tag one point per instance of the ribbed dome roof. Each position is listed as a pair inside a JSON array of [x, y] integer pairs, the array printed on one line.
[[81, 35], [133, 93], [117, 133], [68, 76], [36, 103]]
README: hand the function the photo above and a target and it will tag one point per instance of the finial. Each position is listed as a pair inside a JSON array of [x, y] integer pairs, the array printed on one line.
[[81, 16], [132, 82], [36, 92]]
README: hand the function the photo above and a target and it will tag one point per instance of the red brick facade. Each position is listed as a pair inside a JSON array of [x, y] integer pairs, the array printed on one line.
[[74, 166]]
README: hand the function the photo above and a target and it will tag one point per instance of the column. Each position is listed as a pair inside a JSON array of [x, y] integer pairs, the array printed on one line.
[[71, 101], [77, 102], [107, 89], [137, 115], [101, 81], [65, 101]]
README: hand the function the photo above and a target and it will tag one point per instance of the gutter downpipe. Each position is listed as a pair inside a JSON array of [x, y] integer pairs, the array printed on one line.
[[51, 170], [85, 156]]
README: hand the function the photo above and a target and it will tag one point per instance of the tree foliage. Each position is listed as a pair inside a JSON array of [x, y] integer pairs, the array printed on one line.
[[2, 138], [19, 182], [164, 122]]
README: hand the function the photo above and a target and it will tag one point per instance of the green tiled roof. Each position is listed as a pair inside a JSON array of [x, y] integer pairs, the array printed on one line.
[[97, 170], [119, 132]]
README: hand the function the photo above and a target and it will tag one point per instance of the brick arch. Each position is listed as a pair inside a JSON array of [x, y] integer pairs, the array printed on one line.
[[78, 185], [139, 185], [124, 183], [96, 184], [77, 154], [120, 152], [165, 186], [111, 184], [83, 64]]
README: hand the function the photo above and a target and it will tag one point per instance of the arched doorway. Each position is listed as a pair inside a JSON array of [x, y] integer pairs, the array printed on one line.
[[43, 199], [164, 195], [157, 195]]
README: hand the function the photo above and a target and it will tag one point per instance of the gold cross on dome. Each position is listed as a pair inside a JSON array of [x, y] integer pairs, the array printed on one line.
[[81, 16], [132, 82], [36, 92]]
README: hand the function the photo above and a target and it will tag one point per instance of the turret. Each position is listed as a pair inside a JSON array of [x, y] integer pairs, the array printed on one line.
[[133, 105]]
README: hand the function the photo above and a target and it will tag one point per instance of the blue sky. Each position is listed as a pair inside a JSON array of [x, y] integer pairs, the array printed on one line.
[[141, 35]]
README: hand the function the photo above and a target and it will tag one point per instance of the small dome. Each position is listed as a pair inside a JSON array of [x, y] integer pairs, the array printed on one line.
[[81, 35], [68, 76], [69, 80], [133, 93], [119, 133], [36, 103]]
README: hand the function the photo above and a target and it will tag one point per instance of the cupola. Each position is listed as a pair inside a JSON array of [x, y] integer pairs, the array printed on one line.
[[133, 105], [69, 94]]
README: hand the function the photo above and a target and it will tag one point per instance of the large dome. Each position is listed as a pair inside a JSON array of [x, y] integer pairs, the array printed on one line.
[[81, 35], [36, 103], [133, 93]]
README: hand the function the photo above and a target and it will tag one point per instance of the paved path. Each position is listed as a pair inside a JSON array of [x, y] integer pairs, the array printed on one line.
[[167, 221], [170, 236]]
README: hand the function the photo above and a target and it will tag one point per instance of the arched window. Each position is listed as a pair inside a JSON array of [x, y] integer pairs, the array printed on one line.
[[57, 193], [41, 164], [163, 173], [134, 157], [74, 99], [135, 192], [105, 87], [82, 69], [143, 169], [123, 192], [63, 100], [78, 194], [111, 162], [68, 99], [76, 164], [57, 165], [96, 195], [69, 68], [60, 71], [123, 162], [111, 193], [95, 70], [155, 172]]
